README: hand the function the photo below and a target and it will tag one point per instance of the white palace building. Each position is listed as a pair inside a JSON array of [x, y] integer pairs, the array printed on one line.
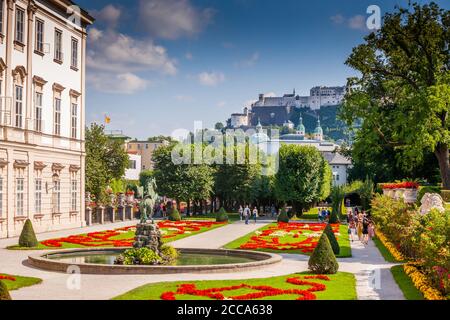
[[42, 114]]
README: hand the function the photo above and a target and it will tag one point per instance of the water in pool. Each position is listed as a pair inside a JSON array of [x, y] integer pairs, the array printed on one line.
[[185, 259]]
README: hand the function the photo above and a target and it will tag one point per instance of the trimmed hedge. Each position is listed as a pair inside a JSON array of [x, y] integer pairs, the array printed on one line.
[[28, 238], [283, 217], [332, 238], [323, 260], [221, 215], [174, 215], [4, 293]]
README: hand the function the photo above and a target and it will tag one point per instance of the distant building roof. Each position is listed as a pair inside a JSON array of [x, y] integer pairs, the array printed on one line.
[[336, 158]]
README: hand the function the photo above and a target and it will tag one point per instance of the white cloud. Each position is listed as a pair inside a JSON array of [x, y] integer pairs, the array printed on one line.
[[109, 15], [250, 62], [184, 98], [122, 83], [357, 22], [172, 19], [115, 52], [211, 79], [338, 18]]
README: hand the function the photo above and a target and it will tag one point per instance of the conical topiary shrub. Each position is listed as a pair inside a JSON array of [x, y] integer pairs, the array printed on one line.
[[283, 217], [28, 237], [334, 217], [221, 215], [322, 260], [4, 293], [332, 238], [174, 215]]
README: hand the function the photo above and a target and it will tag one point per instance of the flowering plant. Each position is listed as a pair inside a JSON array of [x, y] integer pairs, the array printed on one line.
[[6, 277], [402, 185], [259, 292], [288, 236]]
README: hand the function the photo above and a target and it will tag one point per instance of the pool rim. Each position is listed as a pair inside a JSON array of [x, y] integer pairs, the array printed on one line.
[[262, 259]]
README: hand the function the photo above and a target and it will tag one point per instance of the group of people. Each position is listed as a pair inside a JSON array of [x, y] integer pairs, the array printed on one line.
[[247, 214], [324, 214], [361, 225]]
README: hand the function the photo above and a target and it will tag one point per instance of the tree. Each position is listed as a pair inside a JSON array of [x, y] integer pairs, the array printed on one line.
[[182, 182], [337, 198], [106, 159], [222, 215], [174, 215], [323, 260], [159, 139], [27, 237], [403, 94], [4, 292], [219, 126], [299, 179], [327, 178], [332, 238], [234, 183], [144, 177]]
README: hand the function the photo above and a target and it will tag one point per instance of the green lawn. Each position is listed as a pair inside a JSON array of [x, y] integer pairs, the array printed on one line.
[[122, 237], [343, 239], [20, 282], [384, 251], [405, 284], [340, 287]]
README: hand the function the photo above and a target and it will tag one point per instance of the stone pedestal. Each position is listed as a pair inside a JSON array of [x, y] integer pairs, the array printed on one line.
[[101, 215], [129, 212], [121, 213], [88, 216], [149, 236]]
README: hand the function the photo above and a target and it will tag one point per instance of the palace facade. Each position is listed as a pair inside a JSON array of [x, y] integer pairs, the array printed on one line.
[[42, 114]]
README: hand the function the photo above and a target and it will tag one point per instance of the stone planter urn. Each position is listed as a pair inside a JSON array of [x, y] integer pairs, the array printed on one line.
[[410, 195], [387, 192], [398, 194]]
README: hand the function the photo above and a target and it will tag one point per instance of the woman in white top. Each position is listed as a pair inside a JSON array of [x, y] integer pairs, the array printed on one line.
[[255, 214]]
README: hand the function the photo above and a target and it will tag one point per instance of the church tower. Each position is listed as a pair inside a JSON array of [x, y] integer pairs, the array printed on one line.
[[318, 133], [301, 130]]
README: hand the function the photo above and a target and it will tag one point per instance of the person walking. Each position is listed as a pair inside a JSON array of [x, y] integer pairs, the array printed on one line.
[[365, 231], [255, 214], [241, 212], [352, 229], [360, 226], [371, 229], [319, 214], [273, 210], [246, 214]]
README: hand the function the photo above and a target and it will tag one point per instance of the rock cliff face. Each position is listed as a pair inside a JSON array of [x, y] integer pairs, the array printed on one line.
[[149, 236]]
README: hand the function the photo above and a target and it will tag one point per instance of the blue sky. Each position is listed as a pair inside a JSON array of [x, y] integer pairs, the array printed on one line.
[[155, 66]]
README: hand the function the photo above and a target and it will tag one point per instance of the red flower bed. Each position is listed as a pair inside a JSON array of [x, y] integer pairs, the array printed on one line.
[[260, 291], [402, 185], [105, 238], [10, 278], [268, 239]]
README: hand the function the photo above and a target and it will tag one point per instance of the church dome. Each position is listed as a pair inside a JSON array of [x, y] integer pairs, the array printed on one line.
[[318, 129]]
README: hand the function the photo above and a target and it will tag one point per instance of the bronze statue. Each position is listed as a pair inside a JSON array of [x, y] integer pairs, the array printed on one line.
[[149, 198]]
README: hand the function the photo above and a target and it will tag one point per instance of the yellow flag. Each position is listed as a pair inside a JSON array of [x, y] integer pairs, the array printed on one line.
[[107, 119]]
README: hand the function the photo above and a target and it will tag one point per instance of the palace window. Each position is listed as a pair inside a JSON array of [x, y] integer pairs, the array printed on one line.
[[74, 60], [19, 196], [20, 23], [132, 164], [40, 36], [18, 106], [58, 46], [38, 196], [74, 195], [57, 116], [74, 120], [57, 196], [38, 112], [2, 10]]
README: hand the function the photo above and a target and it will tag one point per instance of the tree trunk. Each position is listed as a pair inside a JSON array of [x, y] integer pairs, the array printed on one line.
[[442, 155]]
